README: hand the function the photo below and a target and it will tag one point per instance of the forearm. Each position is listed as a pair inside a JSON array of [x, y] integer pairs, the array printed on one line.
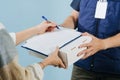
[[38, 29], [71, 20], [112, 41], [23, 35]]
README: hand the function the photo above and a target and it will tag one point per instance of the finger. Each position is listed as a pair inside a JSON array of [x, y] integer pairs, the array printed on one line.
[[50, 29], [80, 53], [55, 65], [87, 55], [51, 25], [43, 22], [85, 34], [89, 50], [85, 51], [85, 45], [54, 23], [56, 50], [61, 64]]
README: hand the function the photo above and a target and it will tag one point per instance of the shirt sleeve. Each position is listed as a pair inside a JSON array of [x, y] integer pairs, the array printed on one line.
[[36, 71], [13, 36], [75, 4]]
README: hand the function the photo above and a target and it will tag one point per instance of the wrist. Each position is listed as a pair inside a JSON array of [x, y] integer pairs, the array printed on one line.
[[42, 65], [35, 30], [45, 63], [38, 30], [105, 46]]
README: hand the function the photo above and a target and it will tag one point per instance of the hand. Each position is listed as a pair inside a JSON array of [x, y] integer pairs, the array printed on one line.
[[94, 46], [54, 59], [45, 27]]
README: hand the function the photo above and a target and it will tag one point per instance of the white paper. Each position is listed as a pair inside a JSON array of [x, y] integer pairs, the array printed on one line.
[[44, 43]]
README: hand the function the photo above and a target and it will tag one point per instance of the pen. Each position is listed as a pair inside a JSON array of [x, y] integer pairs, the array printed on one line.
[[48, 21]]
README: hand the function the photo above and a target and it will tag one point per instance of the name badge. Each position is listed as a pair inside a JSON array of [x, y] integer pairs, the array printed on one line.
[[101, 9]]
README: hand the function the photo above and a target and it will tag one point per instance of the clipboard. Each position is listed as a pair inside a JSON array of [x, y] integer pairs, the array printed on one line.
[[68, 41]]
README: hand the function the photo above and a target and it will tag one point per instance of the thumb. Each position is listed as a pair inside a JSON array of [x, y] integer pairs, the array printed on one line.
[[85, 34], [56, 50], [62, 65]]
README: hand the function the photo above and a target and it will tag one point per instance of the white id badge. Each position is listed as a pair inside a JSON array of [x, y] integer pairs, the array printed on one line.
[[101, 9]]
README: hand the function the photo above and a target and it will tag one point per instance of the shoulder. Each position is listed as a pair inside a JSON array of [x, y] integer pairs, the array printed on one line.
[[13, 36], [75, 4]]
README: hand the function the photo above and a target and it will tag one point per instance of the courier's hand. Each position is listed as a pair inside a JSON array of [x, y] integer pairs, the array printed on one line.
[[94, 46], [54, 60]]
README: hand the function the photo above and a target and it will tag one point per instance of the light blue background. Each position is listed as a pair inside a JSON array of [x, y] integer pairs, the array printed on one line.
[[18, 15]]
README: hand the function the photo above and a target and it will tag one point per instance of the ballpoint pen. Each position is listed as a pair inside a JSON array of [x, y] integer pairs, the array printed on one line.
[[48, 21]]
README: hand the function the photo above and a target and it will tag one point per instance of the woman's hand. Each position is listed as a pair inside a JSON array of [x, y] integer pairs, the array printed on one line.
[[45, 27], [53, 59]]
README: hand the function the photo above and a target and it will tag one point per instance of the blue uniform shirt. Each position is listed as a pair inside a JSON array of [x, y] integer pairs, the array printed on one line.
[[106, 61]]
